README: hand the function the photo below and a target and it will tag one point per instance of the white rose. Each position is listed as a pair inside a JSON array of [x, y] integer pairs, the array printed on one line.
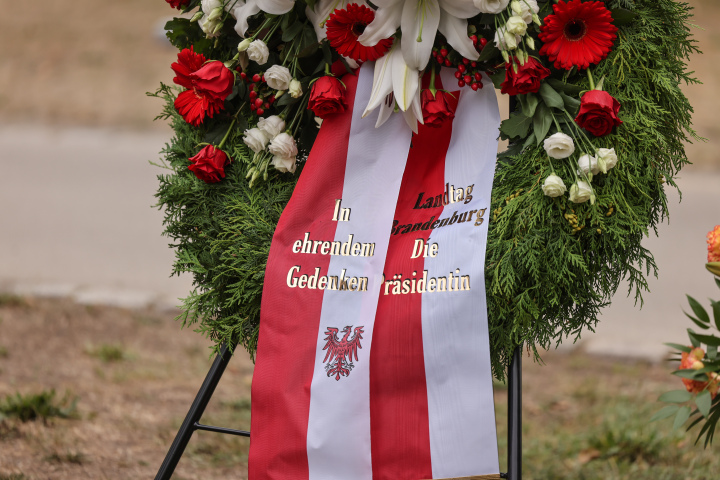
[[271, 125], [258, 52], [256, 139], [554, 186], [516, 25], [295, 89], [284, 146], [491, 6], [559, 145], [505, 40], [606, 159], [580, 192], [588, 164], [278, 77], [284, 164], [525, 9]]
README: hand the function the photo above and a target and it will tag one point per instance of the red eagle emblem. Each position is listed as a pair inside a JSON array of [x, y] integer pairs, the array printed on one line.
[[340, 352]]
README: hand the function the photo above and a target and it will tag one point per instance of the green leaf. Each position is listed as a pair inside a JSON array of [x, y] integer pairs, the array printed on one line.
[[497, 78], [516, 126], [717, 281], [529, 103], [292, 31], [706, 339], [697, 322], [561, 86], [488, 53], [675, 396], [690, 374], [716, 313], [693, 340], [665, 412], [681, 417], [704, 402], [622, 16], [542, 120], [572, 104], [529, 140], [698, 309], [677, 346], [551, 97]]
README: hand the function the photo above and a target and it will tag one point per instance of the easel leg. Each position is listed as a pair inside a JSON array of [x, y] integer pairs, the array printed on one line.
[[514, 456], [194, 414]]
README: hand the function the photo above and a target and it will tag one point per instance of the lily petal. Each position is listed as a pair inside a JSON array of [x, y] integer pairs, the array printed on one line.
[[386, 110], [405, 80], [455, 30], [419, 24], [276, 7], [382, 80], [459, 8], [414, 115], [242, 12], [385, 24]]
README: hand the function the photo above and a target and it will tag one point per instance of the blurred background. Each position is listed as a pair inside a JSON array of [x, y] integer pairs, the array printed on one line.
[[95, 375]]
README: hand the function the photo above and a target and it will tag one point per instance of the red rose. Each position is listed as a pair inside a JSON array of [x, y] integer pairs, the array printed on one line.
[[207, 89], [188, 63], [525, 80], [598, 113], [209, 164], [436, 109], [177, 3], [328, 96]]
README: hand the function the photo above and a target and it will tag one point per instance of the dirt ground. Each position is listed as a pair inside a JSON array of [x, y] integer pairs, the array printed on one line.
[[90, 62], [134, 375]]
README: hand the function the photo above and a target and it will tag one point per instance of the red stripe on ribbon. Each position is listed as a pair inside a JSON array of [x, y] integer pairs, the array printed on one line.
[[290, 317], [398, 394]]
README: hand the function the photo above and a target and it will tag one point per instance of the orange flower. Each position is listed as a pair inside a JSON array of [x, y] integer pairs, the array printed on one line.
[[713, 240], [692, 360]]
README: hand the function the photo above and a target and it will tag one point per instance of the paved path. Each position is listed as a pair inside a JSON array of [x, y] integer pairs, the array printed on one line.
[[76, 219]]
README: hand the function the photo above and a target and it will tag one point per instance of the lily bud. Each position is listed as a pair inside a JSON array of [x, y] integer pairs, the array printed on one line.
[[713, 267], [242, 46]]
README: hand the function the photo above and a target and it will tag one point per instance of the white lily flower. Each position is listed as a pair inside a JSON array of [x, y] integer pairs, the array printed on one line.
[[241, 10], [420, 21], [393, 75]]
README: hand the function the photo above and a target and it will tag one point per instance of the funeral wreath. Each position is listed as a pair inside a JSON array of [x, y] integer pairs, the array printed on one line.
[[596, 136]]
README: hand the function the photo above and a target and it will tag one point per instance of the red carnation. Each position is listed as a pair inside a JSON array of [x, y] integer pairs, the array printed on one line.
[[598, 112], [525, 80], [328, 96], [344, 26], [178, 3], [188, 63], [207, 89], [209, 164], [437, 108], [577, 34]]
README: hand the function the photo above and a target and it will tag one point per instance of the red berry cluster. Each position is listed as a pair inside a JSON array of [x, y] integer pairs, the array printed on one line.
[[260, 99], [467, 71]]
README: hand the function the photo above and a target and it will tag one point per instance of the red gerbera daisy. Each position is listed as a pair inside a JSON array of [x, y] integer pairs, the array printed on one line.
[[345, 26], [188, 63], [578, 34]]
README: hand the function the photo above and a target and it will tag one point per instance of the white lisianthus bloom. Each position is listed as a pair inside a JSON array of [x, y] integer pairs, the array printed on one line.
[[295, 88], [559, 145], [256, 139], [284, 164], [278, 77], [525, 9], [606, 159], [505, 40], [554, 186], [241, 10], [272, 126], [419, 21], [258, 52], [580, 192], [491, 6], [283, 146], [588, 164], [516, 26], [210, 21]]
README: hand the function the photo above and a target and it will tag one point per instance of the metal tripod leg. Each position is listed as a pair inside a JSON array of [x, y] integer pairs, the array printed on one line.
[[514, 456]]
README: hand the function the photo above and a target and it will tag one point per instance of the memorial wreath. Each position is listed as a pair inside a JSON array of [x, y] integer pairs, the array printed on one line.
[[596, 135]]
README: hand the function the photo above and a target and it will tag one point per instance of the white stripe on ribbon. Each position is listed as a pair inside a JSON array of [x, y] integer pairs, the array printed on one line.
[[455, 328], [338, 440]]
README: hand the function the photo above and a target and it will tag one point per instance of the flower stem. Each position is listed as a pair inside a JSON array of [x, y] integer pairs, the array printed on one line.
[[590, 78], [227, 134]]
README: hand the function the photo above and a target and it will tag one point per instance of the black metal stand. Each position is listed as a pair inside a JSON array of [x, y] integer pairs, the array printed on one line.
[[192, 419]]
